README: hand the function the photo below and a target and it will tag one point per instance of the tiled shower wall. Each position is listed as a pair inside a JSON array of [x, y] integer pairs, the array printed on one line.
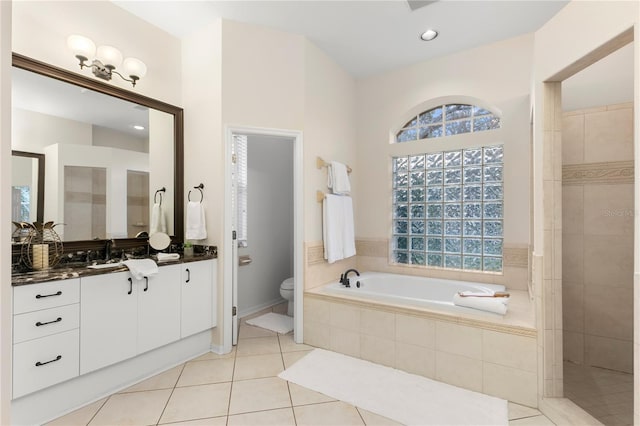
[[597, 236]]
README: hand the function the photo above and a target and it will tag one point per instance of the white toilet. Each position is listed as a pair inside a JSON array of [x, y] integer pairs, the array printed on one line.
[[286, 291]]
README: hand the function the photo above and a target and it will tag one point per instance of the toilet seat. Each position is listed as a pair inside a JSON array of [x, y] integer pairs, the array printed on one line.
[[287, 284]]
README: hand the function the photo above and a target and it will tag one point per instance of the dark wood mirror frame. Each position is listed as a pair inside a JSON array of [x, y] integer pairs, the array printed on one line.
[[40, 200], [45, 69]]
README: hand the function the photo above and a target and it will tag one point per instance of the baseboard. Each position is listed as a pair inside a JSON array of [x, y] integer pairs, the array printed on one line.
[[55, 401], [252, 310]]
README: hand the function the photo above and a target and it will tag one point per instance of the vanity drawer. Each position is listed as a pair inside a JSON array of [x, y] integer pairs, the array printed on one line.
[[43, 362], [33, 297], [33, 325]]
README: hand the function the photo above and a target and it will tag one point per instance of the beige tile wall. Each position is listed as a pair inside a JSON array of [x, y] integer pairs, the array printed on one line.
[[373, 255], [496, 363], [597, 236]]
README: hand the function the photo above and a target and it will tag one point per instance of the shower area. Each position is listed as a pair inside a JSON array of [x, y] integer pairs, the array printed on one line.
[[597, 258]]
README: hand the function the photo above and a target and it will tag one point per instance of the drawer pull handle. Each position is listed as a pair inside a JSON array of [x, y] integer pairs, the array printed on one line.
[[38, 324], [146, 283], [39, 364], [188, 275], [40, 296], [130, 285]]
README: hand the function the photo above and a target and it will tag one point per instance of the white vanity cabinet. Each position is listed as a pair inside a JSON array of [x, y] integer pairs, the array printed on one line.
[[45, 334], [198, 296], [109, 318], [122, 317]]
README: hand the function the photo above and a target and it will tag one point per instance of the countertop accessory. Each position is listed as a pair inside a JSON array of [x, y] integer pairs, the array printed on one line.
[[159, 241], [43, 248]]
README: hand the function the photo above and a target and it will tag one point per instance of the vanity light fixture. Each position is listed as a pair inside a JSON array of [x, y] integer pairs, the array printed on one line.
[[106, 60], [429, 35]]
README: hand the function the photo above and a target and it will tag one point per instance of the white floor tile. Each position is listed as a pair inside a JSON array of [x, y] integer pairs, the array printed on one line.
[[197, 402], [136, 408], [328, 414], [279, 417], [259, 394]]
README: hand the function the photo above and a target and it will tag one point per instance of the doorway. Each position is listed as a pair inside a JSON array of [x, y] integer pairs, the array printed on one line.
[[597, 237], [550, 277], [265, 234]]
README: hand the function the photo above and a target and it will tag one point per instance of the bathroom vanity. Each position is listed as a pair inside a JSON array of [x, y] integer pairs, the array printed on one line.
[[81, 333]]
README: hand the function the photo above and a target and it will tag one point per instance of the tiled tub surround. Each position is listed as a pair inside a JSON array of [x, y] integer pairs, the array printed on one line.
[[597, 234], [490, 354], [373, 255]]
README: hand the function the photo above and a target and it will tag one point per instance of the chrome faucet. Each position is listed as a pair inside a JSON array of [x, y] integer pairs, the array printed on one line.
[[344, 279]]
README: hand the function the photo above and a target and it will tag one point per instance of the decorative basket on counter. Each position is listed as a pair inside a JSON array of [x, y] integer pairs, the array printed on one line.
[[41, 247]]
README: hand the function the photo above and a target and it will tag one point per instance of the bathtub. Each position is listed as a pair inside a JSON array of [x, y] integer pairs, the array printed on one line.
[[410, 323], [408, 290]]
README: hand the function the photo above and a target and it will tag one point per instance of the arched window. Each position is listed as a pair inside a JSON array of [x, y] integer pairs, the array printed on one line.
[[447, 120]]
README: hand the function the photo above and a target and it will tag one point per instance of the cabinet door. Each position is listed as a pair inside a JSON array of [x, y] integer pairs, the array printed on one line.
[[197, 297], [108, 320], [159, 309]]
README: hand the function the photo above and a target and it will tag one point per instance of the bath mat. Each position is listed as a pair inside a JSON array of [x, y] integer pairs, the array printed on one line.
[[403, 397], [275, 322]]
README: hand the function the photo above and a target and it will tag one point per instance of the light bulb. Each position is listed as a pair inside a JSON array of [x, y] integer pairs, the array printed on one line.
[[134, 67], [109, 56], [82, 47]]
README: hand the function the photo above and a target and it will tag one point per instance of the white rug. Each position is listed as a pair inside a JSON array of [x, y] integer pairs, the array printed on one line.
[[275, 322], [400, 396]]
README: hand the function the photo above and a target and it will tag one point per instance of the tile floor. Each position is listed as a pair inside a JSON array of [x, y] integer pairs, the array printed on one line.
[[605, 394], [240, 388]]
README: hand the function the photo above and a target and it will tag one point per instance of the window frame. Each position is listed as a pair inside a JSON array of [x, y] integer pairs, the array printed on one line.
[[476, 112]]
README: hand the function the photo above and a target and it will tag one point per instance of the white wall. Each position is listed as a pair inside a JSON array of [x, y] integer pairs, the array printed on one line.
[[607, 82], [329, 131], [33, 131], [270, 223], [104, 136], [161, 163], [5, 214], [41, 28], [203, 150], [497, 75]]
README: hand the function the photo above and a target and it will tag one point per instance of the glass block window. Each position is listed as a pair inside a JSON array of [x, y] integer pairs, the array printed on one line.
[[447, 120], [448, 209]]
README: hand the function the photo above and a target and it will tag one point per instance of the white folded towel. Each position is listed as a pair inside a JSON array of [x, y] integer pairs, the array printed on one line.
[[482, 301], [158, 219], [141, 268], [167, 256], [338, 178], [196, 228], [338, 228]]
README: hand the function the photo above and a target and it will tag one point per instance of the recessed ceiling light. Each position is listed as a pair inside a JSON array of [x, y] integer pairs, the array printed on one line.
[[429, 35], [138, 127]]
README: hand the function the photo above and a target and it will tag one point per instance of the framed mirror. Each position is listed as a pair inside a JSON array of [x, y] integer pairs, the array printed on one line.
[[27, 186], [107, 157]]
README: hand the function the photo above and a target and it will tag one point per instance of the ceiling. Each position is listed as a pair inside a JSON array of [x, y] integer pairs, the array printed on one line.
[[365, 37]]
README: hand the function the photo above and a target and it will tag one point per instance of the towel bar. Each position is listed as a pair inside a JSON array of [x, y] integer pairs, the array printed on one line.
[[320, 163]]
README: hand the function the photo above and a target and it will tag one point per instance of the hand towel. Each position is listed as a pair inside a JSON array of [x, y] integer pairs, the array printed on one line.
[[158, 219], [338, 178], [167, 256], [349, 240], [196, 229], [338, 228], [141, 268], [497, 305]]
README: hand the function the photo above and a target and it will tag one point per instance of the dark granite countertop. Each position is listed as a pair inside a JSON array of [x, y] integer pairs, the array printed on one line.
[[65, 273]]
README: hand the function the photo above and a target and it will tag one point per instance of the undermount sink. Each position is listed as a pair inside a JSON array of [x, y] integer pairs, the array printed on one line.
[[105, 265]]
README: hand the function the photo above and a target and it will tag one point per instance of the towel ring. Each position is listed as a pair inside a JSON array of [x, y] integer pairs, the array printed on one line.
[[159, 192], [199, 188]]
